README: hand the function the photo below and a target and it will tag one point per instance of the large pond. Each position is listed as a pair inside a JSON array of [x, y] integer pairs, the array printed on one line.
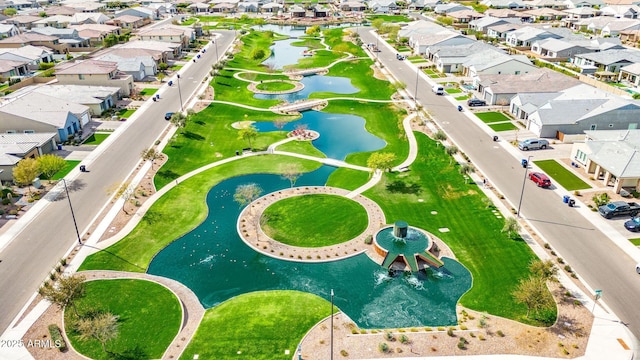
[[216, 264], [340, 134]]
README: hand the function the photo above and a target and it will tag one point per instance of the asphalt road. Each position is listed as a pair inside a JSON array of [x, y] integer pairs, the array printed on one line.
[[601, 263], [27, 260]]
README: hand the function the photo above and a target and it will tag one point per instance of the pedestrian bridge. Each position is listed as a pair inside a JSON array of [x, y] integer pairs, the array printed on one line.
[[299, 106]]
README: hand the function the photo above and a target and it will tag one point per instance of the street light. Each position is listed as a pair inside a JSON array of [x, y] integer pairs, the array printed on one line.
[[526, 169], [217, 56], [331, 324], [180, 93], [73, 216], [415, 93]]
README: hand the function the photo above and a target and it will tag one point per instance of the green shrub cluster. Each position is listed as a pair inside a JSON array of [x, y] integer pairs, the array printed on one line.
[[57, 338]]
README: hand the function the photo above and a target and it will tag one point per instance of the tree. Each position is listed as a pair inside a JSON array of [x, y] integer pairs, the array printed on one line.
[[451, 150], [50, 164], [543, 269], [25, 172], [125, 192], [313, 30], [65, 292], [102, 327], [160, 76], [163, 66], [248, 133], [377, 23], [511, 227], [178, 120], [291, 172], [381, 161], [533, 293], [465, 169], [10, 11], [245, 194], [440, 135], [150, 154]]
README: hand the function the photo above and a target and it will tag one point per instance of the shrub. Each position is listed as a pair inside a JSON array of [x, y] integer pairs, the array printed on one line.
[[462, 344], [383, 347], [56, 336], [389, 336], [450, 332], [547, 246], [344, 353], [404, 339], [567, 268], [500, 333], [368, 240], [6, 201]]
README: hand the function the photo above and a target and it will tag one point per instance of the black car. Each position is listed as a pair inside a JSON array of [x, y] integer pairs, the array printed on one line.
[[168, 116], [476, 102], [633, 224]]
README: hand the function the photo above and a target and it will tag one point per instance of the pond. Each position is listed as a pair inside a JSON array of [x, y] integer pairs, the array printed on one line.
[[216, 264], [315, 83]]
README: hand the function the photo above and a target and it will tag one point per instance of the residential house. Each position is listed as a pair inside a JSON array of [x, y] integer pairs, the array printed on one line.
[[491, 61], [383, 6], [11, 68], [139, 67], [227, 8], [612, 156], [585, 3], [272, 7], [549, 4], [500, 89], [199, 8], [35, 39], [56, 21], [424, 43], [167, 34], [97, 98], [609, 61], [96, 33], [17, 146], [482, 24], [580, 108], [85, 5], [148, 15], [8, 30], [614, 28], [500, 31], [449, 58], [621, 11], [321, 11], [23, 22], [297, 11], [130, 22], [168, 49], [248, 6], [506, 4], [526, 36], [445, 8], [464, 16], [158, 56], [38, 113], [70, 37], [605, 25], [630, 75], [29, 56], [545, 14], [94, 72], [569, 47], [630, 36], [89, 18], [163, 7], [502, 13], [59, 10]]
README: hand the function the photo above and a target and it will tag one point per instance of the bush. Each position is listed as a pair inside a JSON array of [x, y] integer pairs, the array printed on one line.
[[404, 339], [368, 240], [500, 333], [462, 344], [383, 347], [344, 353], [6, 201], [450, 332], [57, 338], [389, 336]]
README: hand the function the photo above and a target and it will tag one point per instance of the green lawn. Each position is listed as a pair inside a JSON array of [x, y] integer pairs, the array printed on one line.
[[308, 42], [148, 91], [361, 76], [257, 326], [125, 113], [176, 67], [348, 179], [390, 18], [561, 175], [96, 139], [260, 77], [301, 147], [496, 262], [64, 171], [503, 126], [453, 91], [465, 97], [492, 116], [255, 50], [314, 220], [178, 212], [275, 86], [228, 88], [635, 241], [150, 316]]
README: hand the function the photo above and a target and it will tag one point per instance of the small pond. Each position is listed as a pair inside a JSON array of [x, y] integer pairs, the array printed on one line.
[[315, 83]]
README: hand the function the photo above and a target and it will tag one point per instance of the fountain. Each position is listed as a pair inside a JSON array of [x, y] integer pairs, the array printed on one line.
[[412, 246]]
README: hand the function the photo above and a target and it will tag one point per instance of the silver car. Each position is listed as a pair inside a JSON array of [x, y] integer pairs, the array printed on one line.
[[533, 144]]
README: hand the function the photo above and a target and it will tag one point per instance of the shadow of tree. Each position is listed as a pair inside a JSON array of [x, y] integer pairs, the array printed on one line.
[[72, 186], [399, 186], [135, 353], [192, 136]]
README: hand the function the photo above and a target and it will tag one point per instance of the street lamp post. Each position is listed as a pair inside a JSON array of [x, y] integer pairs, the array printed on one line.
[[73, 216], [415, 93], [217, 56], [526, 169], [331, 357], [180, 93]]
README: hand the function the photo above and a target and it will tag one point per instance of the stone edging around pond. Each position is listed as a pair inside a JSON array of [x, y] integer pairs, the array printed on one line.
[[297, 86], [262, 243]]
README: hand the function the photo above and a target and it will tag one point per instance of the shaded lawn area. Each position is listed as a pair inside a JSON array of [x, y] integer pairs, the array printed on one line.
[[301, 147], [348, 179], [148, 91], [314, 220], [383, 120], [390, 18], [262, 77], [179, 211], [503, 126], [258, 325], [496, 262], [228, 88], [150, 316], [492, 116], [176, 67], [209, 137], [361, 75], [70, 165], [96, 139], [561, 175], [308, 42]]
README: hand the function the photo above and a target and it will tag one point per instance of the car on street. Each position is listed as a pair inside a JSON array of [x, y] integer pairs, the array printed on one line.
[[168, 116], [533, 144], [476, 102], [633, 224], [638, 268], [540, 179]]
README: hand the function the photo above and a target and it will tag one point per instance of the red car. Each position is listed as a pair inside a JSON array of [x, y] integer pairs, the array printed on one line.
[[540, 179]]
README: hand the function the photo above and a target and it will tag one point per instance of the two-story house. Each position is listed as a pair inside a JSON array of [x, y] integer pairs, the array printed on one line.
[[95, 72]]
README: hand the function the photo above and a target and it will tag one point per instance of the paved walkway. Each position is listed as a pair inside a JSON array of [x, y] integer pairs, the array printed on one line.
[[252, 234], [192, 310]]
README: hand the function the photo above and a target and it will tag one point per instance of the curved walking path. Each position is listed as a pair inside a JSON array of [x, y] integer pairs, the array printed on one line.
[[413, 143], [251, 232], [192, 310]]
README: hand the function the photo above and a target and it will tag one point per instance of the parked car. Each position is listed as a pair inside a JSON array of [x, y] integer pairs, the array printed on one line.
[[540, 179], [633, 224], [533, 144], [638, 268], [476, 102], [168, 116], [401, 57], [619, 208], [438, 89]]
